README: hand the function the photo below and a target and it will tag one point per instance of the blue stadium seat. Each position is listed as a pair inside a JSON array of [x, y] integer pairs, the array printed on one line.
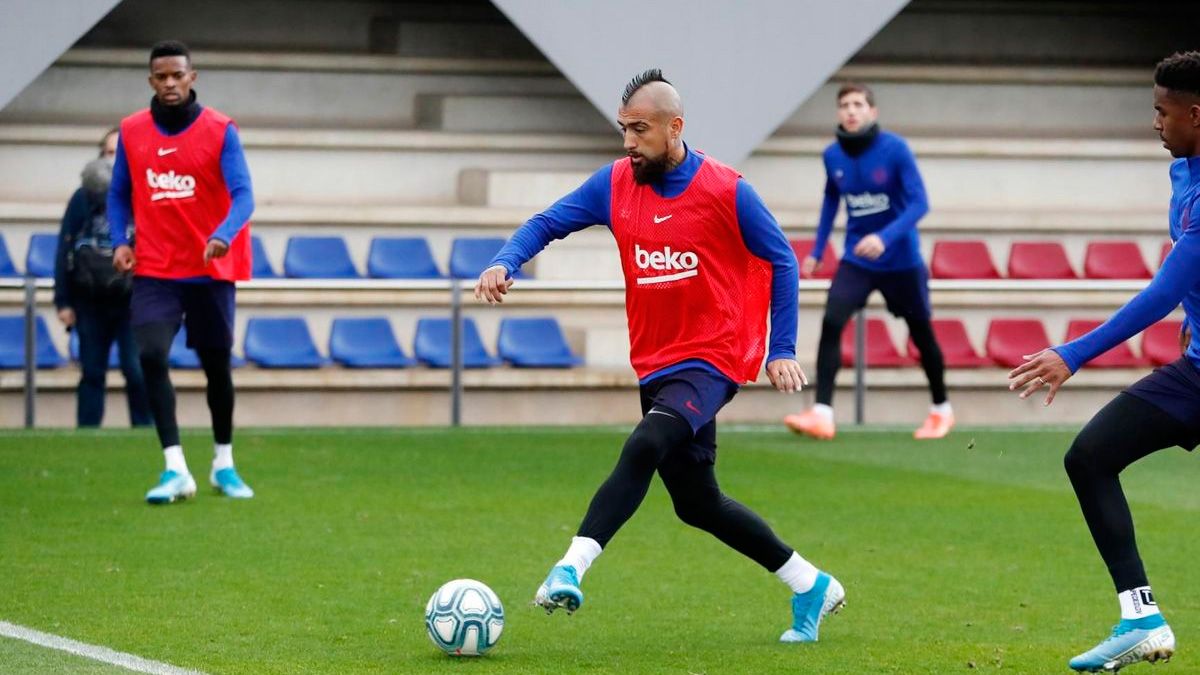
[[7, 269], [39, 260], [261, 263], [318, 258], [432, 344], [282, 342], [401, 258], [469, 256], [183, 357], [535, 343], [366, 343], [12, 343], [114, 358]]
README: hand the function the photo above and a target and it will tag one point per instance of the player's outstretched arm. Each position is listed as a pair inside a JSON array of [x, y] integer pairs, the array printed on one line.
[[493, 285], [786, 375], [1043, 369]]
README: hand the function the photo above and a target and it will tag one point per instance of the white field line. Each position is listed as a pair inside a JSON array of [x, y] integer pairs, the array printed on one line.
[[93, 652]]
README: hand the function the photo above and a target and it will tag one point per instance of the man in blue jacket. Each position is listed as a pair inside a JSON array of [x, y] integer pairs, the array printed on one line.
[[876, 174]]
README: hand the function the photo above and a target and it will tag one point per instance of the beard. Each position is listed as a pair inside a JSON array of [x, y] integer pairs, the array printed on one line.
[[650, 170]]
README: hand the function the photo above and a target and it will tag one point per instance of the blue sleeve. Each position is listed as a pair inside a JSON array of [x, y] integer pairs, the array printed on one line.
[[73, 221], [764, 238], [829, 209], [916, 203], [1178, 275], [237, 181], [588, 205], [120, 196]]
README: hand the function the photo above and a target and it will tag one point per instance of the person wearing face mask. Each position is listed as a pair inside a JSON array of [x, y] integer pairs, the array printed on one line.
[[93, 299], [876, 174]]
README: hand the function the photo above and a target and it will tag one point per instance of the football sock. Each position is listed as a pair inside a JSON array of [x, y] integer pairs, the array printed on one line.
[[825, 411], [799, 574], [222, 456], [175, 460], [1137, 603], [580, 555], [942, 409]]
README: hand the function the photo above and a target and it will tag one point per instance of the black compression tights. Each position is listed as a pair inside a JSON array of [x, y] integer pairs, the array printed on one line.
[[154, 343], [829, 353], [1124, 431], [660, 443]]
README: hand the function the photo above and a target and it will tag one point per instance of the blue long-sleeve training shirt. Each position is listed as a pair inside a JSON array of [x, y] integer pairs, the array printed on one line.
[[1178, 280], [591, 203], [233, 169], [884, 195]]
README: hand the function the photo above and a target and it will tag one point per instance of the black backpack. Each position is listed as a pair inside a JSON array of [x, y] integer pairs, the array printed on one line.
[[90, 266]]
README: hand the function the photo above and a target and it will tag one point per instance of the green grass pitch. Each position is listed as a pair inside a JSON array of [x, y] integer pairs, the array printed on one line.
[[955, 559]]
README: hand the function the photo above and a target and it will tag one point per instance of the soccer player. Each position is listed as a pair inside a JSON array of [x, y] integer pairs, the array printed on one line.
[[181, 176], [703, 260], [1159, 411], [875, 172]]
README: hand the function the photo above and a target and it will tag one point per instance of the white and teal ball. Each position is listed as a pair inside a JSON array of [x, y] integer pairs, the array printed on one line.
[[464, 618]]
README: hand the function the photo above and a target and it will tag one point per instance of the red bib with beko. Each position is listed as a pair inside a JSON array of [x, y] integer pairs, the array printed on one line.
[[180, 198], [692, 288]]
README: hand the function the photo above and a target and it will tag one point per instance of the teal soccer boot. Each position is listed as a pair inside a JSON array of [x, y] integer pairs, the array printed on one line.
[[229, 483], [825, 597], [1132, 640], [172, 486], [560, 589]]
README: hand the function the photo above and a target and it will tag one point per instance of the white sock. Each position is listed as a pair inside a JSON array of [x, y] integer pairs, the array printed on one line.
[[582, 552], [799, 574], [175, 460], [222, 456], [942, 409], [1137, 603], [823, 410]]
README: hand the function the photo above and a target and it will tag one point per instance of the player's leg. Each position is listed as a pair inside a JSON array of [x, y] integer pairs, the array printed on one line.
[[209, 311], [847, 294], [907, 296], [1124, 431]]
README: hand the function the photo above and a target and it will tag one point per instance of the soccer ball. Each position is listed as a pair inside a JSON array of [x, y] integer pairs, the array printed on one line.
[[464, 618]]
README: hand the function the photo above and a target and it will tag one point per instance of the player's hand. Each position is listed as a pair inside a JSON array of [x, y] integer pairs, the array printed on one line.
[[870, 247], [1045, 368], [1185, 338], [67, 316], [215, 249], [809, 267], [123, 259], [493, 284], [786, 375]]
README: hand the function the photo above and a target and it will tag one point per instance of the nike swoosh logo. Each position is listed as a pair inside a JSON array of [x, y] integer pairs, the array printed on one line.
[[692, 406], [658, 220], [162, 152]]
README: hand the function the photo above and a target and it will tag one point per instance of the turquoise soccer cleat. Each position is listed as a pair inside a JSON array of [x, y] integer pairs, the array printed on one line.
[[172, 486], [229, 483], [1132, 640], [825, 597], [560, 589]]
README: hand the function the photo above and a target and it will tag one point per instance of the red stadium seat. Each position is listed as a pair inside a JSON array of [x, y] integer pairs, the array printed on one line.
[[1121, 356], [956, 346], [1160, 342], [1114, 260], [1166, 248], [881, 351], [962, 260], [829, 259], [1009, 340], [1039, 260]]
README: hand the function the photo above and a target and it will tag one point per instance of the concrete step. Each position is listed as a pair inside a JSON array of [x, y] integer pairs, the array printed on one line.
[[508, 114]]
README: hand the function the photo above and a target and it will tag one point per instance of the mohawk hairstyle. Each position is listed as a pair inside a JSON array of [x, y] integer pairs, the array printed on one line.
[[170, 48], [1179, 72], [640, 80]]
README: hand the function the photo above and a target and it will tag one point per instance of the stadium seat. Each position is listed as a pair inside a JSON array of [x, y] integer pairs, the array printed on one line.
[[1010, 340], [261, 263], [1160, 342], [39, 259], [535, 343], [1166, 248], [318, 258], [470, 256], [7, 269], [1121, 356], [401, 258], [962, 260], [12, 343], [1039, 260], [881, 351], [829, 260], [281, 342], [956, 345], [366, 343], [432, 344], [114, 358], [1114, 260]]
